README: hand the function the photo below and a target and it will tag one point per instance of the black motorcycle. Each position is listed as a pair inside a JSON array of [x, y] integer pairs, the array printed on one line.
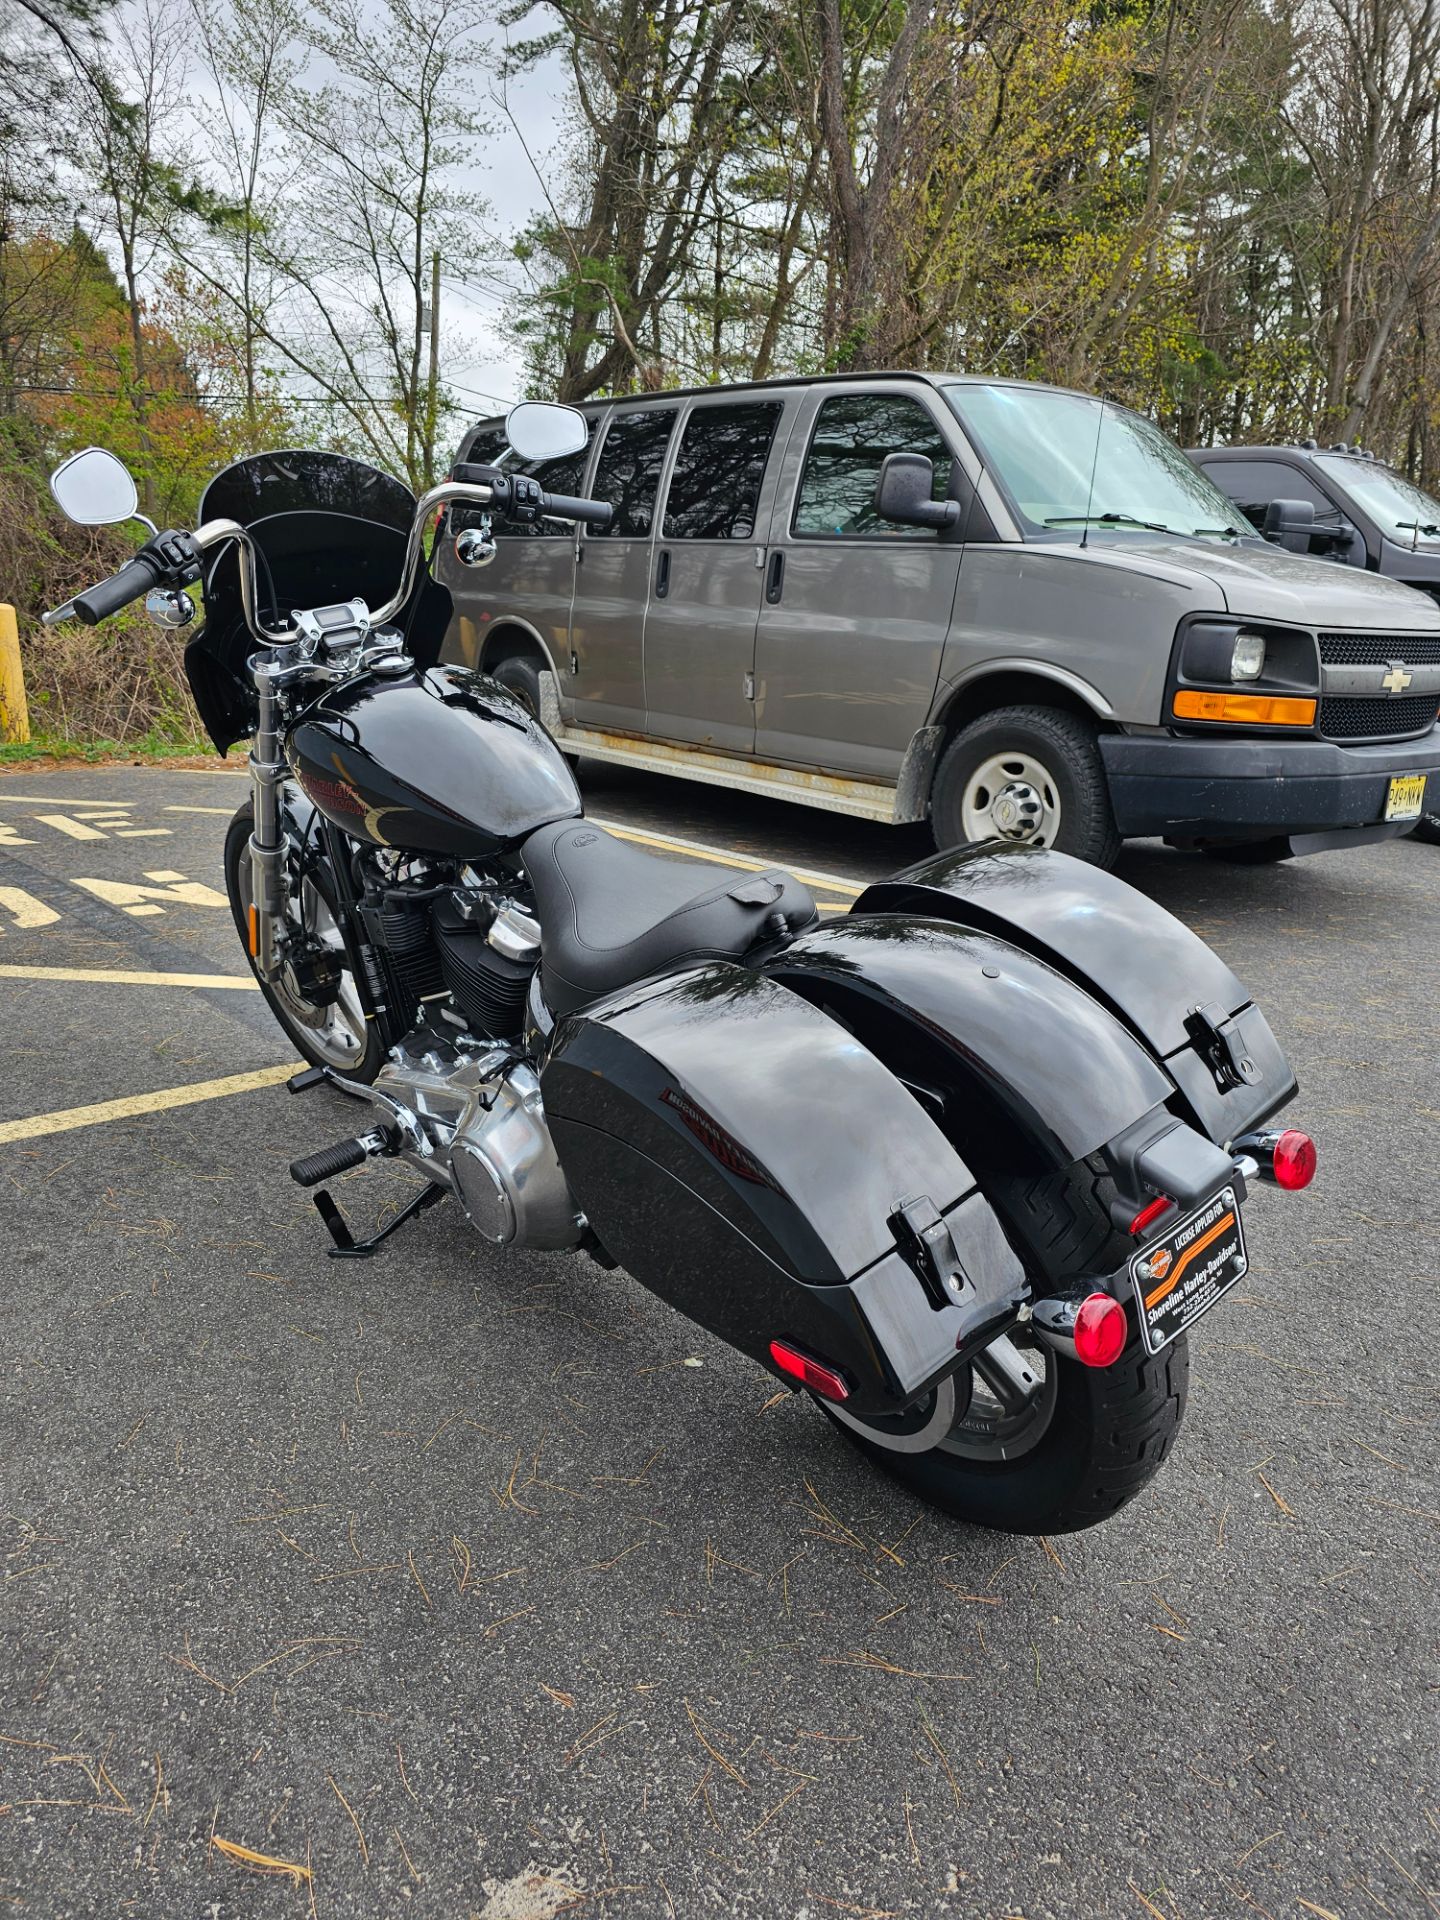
[[964, 1164]]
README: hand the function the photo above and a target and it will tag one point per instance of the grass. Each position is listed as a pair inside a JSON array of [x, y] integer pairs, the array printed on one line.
[[159, 744]]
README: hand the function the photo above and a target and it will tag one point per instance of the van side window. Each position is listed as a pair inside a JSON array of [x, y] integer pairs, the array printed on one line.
[[715, 486], [1253, 484], [564, 475], [853, 433], [628, 473]]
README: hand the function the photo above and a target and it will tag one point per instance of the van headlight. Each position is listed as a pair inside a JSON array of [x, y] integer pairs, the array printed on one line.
[[1247, 657]]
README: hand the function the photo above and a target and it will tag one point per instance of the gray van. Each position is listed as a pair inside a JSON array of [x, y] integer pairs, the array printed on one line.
[[1040, 623]]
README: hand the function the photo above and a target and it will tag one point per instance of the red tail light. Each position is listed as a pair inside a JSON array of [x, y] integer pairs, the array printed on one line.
[[1101, 1331], [814, 1374], [1294, 1159], [1147, 1216]]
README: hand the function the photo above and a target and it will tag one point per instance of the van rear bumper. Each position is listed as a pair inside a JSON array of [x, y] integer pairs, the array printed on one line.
[[1210, 789]]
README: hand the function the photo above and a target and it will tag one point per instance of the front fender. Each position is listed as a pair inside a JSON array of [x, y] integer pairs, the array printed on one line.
[[1172, 992]]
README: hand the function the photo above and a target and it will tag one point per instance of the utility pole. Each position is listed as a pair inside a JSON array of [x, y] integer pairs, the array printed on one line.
[[432, 404]]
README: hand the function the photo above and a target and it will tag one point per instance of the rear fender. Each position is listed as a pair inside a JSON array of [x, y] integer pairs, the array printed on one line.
[[747, 1159], [1172, 992]]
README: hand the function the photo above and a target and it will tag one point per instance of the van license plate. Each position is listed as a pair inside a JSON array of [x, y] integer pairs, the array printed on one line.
[[1183, 1273], [1406, 797]]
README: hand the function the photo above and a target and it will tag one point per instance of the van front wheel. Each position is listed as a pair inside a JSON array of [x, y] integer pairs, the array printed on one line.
[[1031, 775]]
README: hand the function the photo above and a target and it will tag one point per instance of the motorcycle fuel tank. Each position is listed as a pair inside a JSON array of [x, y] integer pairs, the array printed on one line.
[[446, 761]]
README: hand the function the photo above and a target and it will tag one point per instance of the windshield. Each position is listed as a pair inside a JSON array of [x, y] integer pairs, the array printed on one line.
[[1402, 510], [306, 482], [1042, 445]]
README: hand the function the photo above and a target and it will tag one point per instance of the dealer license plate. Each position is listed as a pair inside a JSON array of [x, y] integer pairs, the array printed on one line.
[[1183, 1273], [1406, 796]]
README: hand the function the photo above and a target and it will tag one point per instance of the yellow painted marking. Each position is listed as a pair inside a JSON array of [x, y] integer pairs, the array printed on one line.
[[178, 891], [671, 843], [28, 911], [226, 811], [116, 977], [10, 838], [142, 833], [76, 829], [68, 1118]]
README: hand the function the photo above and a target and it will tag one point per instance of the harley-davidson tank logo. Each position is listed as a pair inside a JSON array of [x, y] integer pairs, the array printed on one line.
[[716, 1140], [334, 793]]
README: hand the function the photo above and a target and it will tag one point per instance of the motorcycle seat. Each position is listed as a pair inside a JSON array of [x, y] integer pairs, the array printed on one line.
[[612, 913]]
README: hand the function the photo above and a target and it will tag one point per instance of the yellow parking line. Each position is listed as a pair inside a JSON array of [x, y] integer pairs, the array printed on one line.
[[227, 811], [671, 843], [116, 977], [70, 1117]]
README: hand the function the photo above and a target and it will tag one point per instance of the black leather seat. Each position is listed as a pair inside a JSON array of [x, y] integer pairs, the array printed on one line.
[[613, 913]]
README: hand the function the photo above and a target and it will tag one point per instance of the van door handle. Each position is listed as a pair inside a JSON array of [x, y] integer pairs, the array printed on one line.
[[662, 574], [775, 576]]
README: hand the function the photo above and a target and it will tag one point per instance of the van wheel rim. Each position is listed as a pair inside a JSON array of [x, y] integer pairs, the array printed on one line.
[[1011, 796]]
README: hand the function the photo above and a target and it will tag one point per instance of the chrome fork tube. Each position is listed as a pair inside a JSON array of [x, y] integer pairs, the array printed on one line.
[[267, 841]]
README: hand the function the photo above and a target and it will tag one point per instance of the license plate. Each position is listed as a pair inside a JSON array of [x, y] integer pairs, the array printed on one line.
[[1406, 796], [1183, 1273]]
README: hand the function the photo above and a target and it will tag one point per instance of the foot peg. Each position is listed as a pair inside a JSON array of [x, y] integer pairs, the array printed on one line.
[[331, 1162], [310, 1077]]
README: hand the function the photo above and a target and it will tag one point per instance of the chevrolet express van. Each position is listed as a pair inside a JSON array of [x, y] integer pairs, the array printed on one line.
[[1044, 624]]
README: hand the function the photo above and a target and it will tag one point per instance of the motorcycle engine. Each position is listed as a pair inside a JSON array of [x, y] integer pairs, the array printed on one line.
[[466, 952]]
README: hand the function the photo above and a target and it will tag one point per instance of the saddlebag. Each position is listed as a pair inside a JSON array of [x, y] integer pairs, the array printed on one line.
[[744, 1157], [1176, 996]]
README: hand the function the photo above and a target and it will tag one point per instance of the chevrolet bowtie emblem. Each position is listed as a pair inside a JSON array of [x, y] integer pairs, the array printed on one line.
[[1397, 679]]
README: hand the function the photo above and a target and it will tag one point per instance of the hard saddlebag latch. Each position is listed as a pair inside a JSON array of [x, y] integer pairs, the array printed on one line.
[[1217, 1039], [988, 1289]]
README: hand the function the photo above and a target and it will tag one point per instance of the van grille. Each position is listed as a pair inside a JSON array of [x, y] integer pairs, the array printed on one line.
[[1374, 649], [1367, 719]]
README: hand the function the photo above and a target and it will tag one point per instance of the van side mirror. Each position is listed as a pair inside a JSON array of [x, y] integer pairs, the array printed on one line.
[[902, 493], [1290, 523]]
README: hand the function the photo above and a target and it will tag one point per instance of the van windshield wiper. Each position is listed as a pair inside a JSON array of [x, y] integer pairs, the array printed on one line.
[[1108, 520]]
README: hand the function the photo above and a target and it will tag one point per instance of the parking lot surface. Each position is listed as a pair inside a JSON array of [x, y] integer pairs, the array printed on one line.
[[461, 1583]]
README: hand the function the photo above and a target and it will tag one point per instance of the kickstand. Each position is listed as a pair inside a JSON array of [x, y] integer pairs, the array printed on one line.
[[348, 1248]]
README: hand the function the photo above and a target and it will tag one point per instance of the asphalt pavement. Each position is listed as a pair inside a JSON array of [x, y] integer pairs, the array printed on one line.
[[459, 1583]]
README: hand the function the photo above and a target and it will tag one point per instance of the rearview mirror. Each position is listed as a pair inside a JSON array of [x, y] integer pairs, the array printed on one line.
[[94, 489], [903, 493], [540, 431], [1290, 523]]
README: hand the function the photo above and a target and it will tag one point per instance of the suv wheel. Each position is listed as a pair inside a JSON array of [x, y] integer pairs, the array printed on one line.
[[1030, 775]]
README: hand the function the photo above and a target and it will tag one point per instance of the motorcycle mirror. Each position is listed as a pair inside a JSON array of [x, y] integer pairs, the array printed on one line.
[[94, 489], [169, 608], [539, 431]]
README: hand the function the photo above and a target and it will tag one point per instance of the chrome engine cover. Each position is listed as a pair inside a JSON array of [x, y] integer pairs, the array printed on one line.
[[482, 1115]]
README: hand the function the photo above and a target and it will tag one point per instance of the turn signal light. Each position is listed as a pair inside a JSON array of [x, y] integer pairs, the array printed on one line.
[[1294, 1159], [1101, 1331], [814, 1374], [1245, 709]]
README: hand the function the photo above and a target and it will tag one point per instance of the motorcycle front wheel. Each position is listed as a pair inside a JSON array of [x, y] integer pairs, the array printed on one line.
[[1041, 1444], [318, 1004]]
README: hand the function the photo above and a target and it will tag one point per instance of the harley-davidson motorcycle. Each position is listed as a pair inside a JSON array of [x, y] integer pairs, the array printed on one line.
[[963, 1164]]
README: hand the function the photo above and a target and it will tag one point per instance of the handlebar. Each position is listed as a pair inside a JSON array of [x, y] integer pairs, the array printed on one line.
[[134, 579], [563, 506]]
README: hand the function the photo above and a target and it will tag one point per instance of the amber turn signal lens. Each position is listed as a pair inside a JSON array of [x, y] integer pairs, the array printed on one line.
[[254, 933], [1244, 709]]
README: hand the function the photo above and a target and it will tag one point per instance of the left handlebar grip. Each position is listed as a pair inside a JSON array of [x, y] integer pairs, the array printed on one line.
[[97, 603]]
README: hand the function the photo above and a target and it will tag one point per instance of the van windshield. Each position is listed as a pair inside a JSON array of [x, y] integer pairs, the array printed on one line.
[[1042, 445], [1402, 510]]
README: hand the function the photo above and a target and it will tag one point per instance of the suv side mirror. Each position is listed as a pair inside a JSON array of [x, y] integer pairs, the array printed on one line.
[[1290, 523], [902, 493]]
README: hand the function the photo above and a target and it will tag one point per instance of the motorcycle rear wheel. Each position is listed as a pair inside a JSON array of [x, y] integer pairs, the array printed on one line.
[[332, 1031], [1088, 1441]]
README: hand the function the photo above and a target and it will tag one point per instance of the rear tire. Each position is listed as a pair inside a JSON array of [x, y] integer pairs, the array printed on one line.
[[333, 1033], [1428, 829], [1109, 1431], [1031, 775]]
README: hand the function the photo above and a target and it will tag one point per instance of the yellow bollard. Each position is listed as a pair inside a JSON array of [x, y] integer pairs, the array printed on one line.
[[14, 713]]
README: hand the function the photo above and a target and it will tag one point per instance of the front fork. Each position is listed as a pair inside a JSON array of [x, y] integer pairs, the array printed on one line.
[[267, 840]]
